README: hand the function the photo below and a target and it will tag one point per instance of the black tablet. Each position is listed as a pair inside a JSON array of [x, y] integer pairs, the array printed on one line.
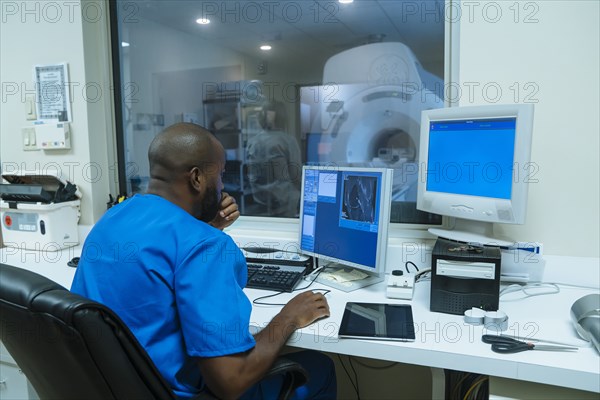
[[378, 321]]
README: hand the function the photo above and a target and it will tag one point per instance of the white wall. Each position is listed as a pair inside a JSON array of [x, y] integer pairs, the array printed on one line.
[[37, 32], [549, 51]]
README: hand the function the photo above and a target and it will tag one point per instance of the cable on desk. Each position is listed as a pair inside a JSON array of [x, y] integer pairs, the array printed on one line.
[[258, 303], [549, 288], [257, 300], [423, 275], [568, 285], [313, 278], [406, 264]]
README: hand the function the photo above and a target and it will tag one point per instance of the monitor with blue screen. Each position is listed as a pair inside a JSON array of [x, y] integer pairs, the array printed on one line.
[[344, 218], [475, 166], [318, 147]]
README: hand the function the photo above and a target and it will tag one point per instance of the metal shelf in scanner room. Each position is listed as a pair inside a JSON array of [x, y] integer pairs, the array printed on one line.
[[39, 211]]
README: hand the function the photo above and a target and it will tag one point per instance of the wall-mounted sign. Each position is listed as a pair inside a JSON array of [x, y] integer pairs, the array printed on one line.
[[52, 92]]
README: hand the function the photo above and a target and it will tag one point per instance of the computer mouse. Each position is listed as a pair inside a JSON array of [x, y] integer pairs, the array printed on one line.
[[74, 262], [320, 319]]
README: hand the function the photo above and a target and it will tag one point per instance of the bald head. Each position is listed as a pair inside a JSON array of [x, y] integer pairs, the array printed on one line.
[[180, 147], [186, 163]]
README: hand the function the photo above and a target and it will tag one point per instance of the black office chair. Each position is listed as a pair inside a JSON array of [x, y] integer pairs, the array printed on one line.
[[70, 347]]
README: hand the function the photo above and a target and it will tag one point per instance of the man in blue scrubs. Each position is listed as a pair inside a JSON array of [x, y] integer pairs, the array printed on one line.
[[163, 264]]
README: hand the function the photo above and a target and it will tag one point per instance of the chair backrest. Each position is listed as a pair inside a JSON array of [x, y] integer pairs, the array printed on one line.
[[70, 347]]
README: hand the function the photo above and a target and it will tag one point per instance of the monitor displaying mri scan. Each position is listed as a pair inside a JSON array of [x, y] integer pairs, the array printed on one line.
[[344, 219]]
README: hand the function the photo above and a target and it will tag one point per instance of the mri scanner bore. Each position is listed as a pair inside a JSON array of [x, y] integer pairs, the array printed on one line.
[[370, 116]]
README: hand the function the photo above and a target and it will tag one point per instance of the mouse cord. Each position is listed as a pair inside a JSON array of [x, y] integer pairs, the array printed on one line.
[[258, 301]]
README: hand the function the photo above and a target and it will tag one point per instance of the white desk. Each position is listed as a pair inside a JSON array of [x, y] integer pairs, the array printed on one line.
[[443, 341]]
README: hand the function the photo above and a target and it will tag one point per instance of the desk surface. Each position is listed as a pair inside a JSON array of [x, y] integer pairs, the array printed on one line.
[[445, 341], [442, 340]]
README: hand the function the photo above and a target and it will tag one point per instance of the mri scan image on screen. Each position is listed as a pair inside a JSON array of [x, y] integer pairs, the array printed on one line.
[[360, 194], [344, 219]]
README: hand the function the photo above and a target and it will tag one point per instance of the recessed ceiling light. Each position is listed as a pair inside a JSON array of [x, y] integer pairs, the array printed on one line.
[[345, 1], [124, 44], [265, 47], [203, 21]]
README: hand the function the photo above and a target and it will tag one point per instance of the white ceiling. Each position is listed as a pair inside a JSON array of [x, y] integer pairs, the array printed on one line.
[[306, 30]]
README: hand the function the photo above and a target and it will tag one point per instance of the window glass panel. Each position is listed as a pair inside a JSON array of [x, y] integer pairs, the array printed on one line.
[[342, 84]]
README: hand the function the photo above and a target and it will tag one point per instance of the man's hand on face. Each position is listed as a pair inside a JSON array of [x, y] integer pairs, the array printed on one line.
[[228, 212]]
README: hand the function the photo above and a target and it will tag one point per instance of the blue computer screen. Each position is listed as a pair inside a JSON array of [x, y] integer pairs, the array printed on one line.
[[318, 147], [457, 164], [341, 214]]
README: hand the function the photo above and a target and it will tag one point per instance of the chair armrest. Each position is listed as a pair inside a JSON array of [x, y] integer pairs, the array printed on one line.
[[294, 376]]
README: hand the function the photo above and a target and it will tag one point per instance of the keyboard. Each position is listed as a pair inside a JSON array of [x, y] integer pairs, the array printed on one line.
[[280, 278]]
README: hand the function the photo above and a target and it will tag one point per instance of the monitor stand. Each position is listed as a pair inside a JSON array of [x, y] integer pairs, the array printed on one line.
[[472, 232], [346, 278]]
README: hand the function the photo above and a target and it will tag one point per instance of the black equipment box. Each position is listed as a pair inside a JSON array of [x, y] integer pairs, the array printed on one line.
[[464, 276]]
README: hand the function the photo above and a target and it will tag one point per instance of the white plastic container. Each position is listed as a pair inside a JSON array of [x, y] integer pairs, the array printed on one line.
[[39, 225]]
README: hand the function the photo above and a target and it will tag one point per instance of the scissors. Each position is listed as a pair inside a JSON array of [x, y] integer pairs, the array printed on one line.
[[503, 344]]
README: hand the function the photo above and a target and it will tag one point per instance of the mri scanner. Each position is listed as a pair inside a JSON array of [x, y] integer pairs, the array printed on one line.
[[373, 118]]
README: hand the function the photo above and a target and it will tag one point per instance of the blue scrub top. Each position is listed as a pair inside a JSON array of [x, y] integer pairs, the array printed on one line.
[[174, 280]]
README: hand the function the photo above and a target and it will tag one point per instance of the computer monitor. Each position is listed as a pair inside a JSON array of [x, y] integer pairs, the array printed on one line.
[[344, 218], [475, 166], [316, 148]]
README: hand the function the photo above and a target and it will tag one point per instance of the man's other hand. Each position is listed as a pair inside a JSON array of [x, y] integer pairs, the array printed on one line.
[[228, 212]]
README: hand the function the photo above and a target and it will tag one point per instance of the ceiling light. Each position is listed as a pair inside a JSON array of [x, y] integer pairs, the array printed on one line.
[[345, 1], [124, 44], [203, 21], [265, 47]]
